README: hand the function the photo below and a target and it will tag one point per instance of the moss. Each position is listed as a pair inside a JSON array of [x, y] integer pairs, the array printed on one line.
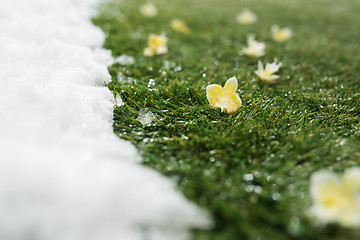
[[282, 133]]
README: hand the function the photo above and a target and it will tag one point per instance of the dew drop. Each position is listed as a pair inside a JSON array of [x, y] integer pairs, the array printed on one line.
[[276, 196], [248, 177]]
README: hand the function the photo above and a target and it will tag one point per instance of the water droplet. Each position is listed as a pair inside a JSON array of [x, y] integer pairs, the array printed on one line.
[[280, 181], [269, 178], [167, 65], [184, 137], [257, 174], [122, 78], [228, 181], [276, 196], [212, 152], [249, 188], [207, 172], [248, 177], [151, 83], [258, 189], [294, 226]]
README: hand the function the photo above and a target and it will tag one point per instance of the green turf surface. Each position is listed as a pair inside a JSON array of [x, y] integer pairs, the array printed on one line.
[[283, 133]]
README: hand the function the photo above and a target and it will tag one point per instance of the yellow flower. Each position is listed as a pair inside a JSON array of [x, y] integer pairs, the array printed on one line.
[[156, 45], [180, 26], [255, 48], [266, 75], [148, 10], [335, 198], [246, 17], [280, 35], [224, 98]]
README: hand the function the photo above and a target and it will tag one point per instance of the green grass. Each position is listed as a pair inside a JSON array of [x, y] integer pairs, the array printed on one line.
[[283, 133]]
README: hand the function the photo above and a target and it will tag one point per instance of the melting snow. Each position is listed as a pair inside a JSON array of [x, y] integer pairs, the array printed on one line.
[[64, 175], [118, 101], [125, 60], [145, 116]]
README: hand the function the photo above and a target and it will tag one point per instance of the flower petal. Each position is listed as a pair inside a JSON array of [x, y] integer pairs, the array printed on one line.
[[269, 79], [148, 52], [214, 91], [235, 103], [271, 68], [351, 180], [324, 185], [231, 86], [260, 70], [161, 50]]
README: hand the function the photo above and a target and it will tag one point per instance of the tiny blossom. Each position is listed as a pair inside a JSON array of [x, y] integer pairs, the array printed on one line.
[[180, 26], [280, 34], [148, 10], [266, 75], [224, 98], [246, 17], [336, 199], [255, 48], [156, 45]]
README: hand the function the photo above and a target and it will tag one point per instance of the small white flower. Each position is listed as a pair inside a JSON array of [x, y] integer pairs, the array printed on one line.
[[336, 198], [148, 10], [255, 48], [246, 17], [226, 98], [156, 45], [267, 74], [280, 34]]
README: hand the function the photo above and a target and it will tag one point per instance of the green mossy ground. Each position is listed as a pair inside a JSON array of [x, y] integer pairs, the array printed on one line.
[[283, 133]]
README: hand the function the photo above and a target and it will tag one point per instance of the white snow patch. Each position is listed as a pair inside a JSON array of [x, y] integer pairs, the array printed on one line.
[[124, 79], [118, 101], [125, 59], [64, 175]]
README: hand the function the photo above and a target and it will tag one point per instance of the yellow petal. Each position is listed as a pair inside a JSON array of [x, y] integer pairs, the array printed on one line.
[[351, 180], [180, 26], [235, 103], [213, 91], [326, 190], [148, 52], [231, 86]]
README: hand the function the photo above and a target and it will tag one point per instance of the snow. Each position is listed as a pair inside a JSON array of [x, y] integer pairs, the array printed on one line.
[[125, 59], [64, 175], [145, 116]]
